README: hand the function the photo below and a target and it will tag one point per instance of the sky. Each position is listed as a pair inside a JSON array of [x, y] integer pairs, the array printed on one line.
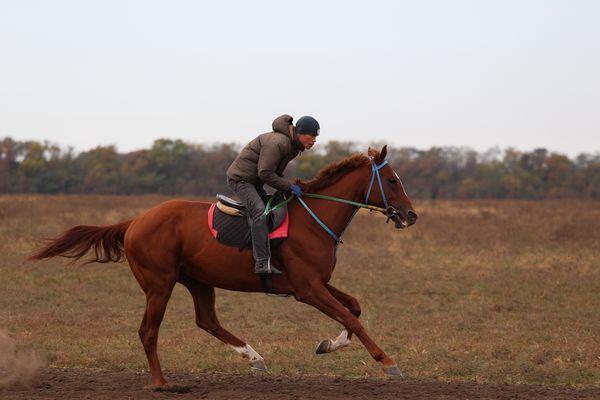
[[409, 73]]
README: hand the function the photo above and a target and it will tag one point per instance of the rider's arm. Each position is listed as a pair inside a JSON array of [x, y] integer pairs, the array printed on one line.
[[268, 160]]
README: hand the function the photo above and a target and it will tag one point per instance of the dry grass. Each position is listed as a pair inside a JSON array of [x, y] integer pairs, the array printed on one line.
[[496, 291]]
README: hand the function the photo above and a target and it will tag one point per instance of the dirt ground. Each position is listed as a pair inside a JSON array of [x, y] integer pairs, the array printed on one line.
[[54, 383], [469, 294]]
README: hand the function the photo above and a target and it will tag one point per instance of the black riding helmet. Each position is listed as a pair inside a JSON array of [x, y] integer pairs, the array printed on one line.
[[307, 125]]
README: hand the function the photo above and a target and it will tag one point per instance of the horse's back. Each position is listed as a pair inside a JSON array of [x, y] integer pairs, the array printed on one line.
[[164, 222]]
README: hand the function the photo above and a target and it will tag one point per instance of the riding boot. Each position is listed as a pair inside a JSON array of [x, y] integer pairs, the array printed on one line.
[[261, 247]]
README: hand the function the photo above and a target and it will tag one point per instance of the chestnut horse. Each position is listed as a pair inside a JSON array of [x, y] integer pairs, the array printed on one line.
[[171, 243]]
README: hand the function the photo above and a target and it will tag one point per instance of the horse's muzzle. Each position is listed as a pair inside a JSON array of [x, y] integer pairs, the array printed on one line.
[[401, 220], [411, 217]]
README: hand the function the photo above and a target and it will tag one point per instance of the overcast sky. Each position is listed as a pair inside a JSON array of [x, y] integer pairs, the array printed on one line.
[[413, 73]]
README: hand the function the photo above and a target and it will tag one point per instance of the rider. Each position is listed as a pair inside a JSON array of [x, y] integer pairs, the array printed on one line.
[[262, 161]]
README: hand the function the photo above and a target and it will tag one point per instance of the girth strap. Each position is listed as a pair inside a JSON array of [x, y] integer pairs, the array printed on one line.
[[267, 283]]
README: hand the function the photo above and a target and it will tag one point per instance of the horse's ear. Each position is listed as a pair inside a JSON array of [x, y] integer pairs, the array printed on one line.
[[372, 153], [382, 154]]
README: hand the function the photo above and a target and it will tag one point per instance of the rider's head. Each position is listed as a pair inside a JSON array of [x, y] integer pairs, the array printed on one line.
[[307, 130]]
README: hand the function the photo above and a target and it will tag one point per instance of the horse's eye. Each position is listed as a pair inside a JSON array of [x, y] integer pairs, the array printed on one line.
[[392, 181]]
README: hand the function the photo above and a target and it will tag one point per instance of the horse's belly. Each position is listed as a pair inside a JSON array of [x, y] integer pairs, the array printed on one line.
[[221, 266]]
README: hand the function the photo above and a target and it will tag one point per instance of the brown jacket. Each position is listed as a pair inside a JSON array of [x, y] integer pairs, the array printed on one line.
[[264, 159]]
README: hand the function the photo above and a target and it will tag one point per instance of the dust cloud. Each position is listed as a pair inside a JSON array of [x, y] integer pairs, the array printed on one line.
[[17, 367]]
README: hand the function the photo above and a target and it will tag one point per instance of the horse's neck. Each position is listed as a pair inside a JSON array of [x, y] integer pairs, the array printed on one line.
[[337, 215]]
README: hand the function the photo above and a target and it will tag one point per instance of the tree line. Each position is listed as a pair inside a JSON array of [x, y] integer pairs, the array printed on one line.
[[175, 167]]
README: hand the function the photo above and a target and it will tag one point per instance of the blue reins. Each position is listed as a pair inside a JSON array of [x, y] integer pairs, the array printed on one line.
[[375, 172]]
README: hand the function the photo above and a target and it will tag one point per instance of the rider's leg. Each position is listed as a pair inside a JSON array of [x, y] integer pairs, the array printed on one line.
[[250, 197]]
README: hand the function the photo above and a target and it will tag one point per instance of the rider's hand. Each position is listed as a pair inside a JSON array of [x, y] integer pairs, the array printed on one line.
[[297, 190]]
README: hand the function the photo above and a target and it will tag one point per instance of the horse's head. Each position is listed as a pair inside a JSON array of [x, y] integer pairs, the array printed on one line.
[[394, 198]]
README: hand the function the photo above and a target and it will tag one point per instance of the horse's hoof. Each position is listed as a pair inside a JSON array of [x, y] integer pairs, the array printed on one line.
[[323, 347], [393, 370], [259, 365]]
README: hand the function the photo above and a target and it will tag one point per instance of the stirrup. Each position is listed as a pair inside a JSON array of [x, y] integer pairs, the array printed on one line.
[[266, 268]]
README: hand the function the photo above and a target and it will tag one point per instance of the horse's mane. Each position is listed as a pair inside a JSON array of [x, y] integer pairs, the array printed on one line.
[[333, 172]]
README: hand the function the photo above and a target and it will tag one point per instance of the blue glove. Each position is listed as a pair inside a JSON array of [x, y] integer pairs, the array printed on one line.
[[297, 190]]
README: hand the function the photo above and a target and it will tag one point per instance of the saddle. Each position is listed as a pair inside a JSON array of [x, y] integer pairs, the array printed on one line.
[[229, 223]]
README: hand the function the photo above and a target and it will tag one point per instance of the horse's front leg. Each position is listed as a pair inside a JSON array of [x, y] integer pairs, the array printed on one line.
[[344, 338], [319, 297]]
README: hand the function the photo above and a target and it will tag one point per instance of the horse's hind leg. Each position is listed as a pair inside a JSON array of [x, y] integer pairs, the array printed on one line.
[[206, 318], [343, 340], [156, 304], [158, 285]]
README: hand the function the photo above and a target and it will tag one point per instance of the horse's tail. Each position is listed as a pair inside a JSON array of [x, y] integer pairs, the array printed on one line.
[[106, 241]]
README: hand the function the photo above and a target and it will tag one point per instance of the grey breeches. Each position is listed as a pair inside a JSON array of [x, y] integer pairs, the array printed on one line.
[[252, 197]]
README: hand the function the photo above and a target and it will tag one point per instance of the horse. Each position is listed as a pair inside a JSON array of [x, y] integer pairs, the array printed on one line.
[[171, 243]]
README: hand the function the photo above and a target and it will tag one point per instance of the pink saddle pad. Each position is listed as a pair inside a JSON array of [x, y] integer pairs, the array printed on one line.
[[280, 232]]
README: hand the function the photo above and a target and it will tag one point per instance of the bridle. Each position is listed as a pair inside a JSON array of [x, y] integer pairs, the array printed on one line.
[[389, 211]]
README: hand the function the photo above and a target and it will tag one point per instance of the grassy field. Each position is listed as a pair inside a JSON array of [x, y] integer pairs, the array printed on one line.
[[493, 291]]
